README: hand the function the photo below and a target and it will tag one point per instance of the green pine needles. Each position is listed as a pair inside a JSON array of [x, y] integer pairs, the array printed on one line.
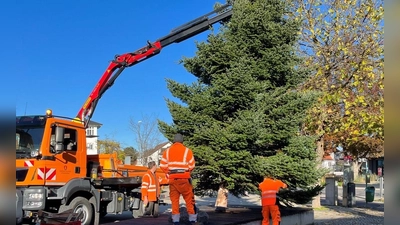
[[243, 115]]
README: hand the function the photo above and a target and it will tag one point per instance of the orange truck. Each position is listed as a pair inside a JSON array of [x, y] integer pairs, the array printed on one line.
[[54, 172]]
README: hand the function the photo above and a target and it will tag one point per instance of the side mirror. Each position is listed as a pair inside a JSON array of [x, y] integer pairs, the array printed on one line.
[[59, 148]]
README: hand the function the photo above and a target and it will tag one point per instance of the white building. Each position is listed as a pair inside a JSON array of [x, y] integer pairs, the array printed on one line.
[[328, 162], [92, 137], [154, 154]]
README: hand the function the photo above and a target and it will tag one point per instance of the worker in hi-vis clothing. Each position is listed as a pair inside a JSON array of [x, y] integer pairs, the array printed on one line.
[[151, 185], [269, 188], [178, 162]]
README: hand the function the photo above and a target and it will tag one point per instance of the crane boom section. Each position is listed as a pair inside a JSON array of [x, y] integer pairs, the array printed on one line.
[[120, 62]]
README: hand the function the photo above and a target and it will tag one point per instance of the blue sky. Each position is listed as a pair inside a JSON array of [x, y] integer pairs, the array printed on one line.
[[56, 51]]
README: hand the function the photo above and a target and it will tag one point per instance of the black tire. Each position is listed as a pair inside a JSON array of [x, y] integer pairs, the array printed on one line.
[[102, 214], [103, 211], [80, 204]]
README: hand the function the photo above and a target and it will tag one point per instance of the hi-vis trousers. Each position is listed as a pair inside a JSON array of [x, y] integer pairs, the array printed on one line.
[[272, 210], [182, 187]]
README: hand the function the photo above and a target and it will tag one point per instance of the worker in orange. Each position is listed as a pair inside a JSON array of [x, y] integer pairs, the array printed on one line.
[[178, 163], [269, 188], [151, 185]]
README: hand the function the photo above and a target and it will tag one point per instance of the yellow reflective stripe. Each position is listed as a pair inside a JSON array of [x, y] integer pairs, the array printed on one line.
[[191, 163], [167, 155], [178, 163], [147, 185], [177, 168], [185, 155], [269, 194]]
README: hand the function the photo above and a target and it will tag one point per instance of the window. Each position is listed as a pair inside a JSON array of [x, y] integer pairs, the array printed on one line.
[[89, 146], [70, 139], [90, 131]]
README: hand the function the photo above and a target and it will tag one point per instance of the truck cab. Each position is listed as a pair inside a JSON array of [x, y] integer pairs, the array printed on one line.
[[50, 152]]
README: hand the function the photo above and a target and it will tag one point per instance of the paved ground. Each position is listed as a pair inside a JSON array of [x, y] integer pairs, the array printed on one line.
[[373, 214], [241, 210], [362, 213], [247, 208]]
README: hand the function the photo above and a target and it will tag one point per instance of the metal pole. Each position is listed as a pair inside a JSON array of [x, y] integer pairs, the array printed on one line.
[[381, 187], [366, 184]]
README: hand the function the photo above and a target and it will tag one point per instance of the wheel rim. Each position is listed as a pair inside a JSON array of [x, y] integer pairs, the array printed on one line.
[[82, 208]]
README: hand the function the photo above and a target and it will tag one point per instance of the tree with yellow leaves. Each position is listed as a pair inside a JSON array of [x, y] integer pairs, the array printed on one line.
[[109, 146], [342, 41]]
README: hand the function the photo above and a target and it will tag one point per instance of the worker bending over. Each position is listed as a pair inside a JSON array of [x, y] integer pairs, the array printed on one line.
[[178, 163], [269, 188]]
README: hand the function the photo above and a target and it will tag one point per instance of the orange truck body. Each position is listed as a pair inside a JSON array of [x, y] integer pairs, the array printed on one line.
[[54, 172], [112, 167]]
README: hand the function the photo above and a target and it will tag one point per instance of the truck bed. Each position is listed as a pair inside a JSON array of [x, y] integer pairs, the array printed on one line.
[[112, 172]]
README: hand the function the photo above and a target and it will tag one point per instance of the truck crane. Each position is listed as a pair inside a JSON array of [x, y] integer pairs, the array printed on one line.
[[55, 174]]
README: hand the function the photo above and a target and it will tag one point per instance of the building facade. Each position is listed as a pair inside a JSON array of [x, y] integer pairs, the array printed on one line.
[[92, 137], [154, 154]]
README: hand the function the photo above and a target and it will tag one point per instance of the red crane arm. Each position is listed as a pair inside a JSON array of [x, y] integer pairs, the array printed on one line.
[[113, 70], [120, 62]]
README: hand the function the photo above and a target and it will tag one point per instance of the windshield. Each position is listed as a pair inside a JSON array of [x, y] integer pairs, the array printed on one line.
[[29, 135]]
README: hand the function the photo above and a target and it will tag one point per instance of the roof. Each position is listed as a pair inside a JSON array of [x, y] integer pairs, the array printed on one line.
[[161, 146], [327, 157], [94, 124]]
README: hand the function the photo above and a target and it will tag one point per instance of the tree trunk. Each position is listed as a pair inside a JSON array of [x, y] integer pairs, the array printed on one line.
[[316, 203], [356, 168]]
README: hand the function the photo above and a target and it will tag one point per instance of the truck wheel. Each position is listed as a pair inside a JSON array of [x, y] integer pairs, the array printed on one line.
[[80, 204]]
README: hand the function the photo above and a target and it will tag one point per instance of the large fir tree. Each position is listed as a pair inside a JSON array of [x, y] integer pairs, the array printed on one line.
[[242, 116]]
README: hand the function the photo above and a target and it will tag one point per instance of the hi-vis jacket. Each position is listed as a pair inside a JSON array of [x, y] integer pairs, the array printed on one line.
[[151, 186], [269, 188], [177, 161]]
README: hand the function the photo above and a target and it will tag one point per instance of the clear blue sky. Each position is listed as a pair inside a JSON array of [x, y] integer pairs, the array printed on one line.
[[56, 51]]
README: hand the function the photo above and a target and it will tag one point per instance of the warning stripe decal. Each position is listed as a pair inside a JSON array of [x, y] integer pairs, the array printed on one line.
[[46, 174], [29, 163]]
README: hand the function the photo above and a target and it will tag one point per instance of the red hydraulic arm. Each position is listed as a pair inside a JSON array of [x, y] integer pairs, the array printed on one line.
[[120, 62]]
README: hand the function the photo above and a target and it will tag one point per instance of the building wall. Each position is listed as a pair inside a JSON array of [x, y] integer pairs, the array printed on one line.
[[91, 140], [329, 164], [91, 145], [155, 156]]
